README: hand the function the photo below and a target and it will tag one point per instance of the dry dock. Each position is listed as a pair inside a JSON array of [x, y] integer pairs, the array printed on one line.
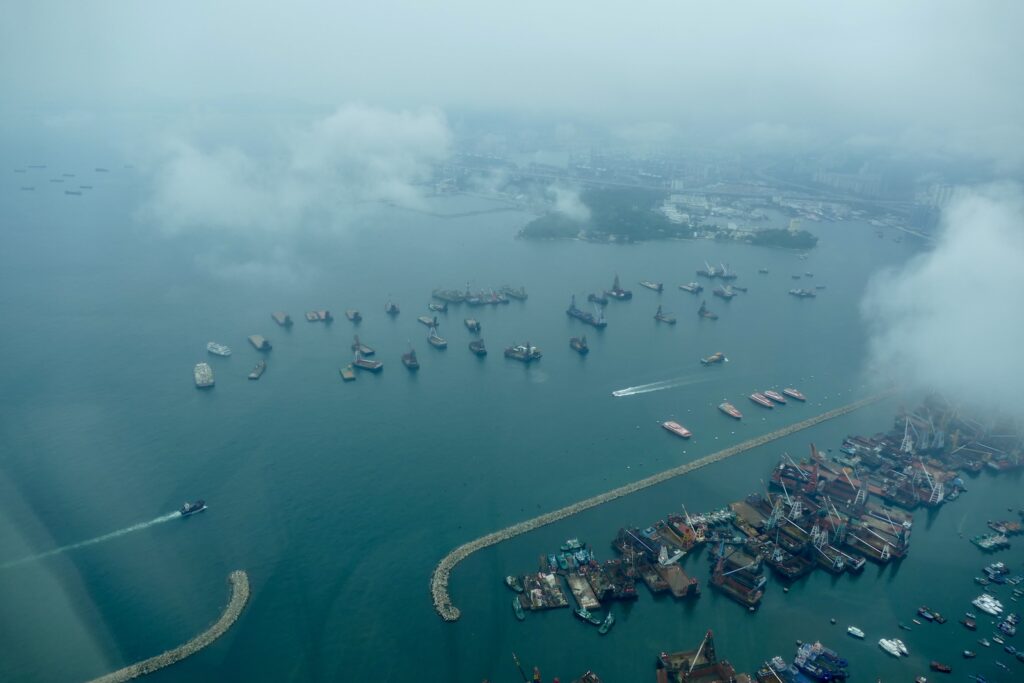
[[439, 580], [239, 596]]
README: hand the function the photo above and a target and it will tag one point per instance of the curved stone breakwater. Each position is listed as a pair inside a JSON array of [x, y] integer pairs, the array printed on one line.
[[439, 580], [239, 597]]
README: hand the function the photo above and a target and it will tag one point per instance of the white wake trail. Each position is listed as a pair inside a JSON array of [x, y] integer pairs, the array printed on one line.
[[92, 541], [658, 386]]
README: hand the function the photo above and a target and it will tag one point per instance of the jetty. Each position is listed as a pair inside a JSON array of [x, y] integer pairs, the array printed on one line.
[[439, 579], [239, 597]]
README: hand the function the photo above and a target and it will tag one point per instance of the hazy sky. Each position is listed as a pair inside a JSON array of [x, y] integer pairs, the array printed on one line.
[[784, 69]]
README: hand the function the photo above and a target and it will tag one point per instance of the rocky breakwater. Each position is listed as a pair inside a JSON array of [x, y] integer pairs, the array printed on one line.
[[239, 597], [439, 579]]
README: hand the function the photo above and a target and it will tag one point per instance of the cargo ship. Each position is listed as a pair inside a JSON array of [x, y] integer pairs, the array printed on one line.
[[598, 299], [692, 287], [449, 295], [730, 410], [427, 320], [391, 308], [257, 371], [192, 508], [717, 357], [517, 294], [477, 347], [486, 298], [655, 286], [677, 429], [775, 396], [361, 348], [617, 292], [724, 292], [662, 317], [438, 308], [410, 360], [203, 375], [353, 315], [523, 352], [347, 373], [794, 394], [259, 343], [319, 316], [597, 321], [472, 324], [579, 345], [436, 340], [761, 400], [703, 311], [282, 318], [367, 364], [218, 349]]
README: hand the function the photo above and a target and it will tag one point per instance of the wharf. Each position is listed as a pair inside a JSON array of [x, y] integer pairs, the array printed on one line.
[[440, 578], [239, 597]]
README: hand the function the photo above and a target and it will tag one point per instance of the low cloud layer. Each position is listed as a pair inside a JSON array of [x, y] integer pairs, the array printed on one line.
[[951, 318], [569, 203], [310, 177]]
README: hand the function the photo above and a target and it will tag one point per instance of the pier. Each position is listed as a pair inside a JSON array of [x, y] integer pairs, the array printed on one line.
[[239, 597], [439, 580]]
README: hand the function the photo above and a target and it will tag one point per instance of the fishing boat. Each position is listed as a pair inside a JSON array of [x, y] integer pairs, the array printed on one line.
[[794, 394], [730, 410], [436, 340], [677, 429], [347, 373], [517, 608]]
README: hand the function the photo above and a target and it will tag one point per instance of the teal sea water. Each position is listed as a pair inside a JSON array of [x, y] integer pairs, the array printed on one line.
[[339, 499]]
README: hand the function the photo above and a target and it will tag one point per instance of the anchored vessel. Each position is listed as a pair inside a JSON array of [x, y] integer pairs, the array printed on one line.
[[427, 320], [724, 292], [353, 315], [598, 299], [663, 317], [257, 371], [259, 343], [775, 396], [692, 287], [391, 308], [282, 318], [367, 364], [761, 400], [347, 373], [523, 352], [617, 292], [192, 508], [515, 293], [677, 429], [656, 286], [319, 316], [438, 308], [803, 293], [793, 393], [703, 311], [218, 349], [477, 347], [361, 348], [472, 324], [855, 632], [410, 360], [730, 410], [579, 345], [436, 340], [597, 321], [203, 375]]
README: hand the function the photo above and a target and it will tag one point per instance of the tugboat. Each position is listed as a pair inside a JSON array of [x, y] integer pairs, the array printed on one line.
[[598, 299], [517, 607], [347, 373], [584, 614], [391, 308], [523, 352], [703, 311], [793, 393], [664, 317], [367, 364], [617, 292], [472, 324], [258, 370], [730, 410], [353, 315], [579, 345], [438, 308], [514, 583], [655, 286], [409, 359], [597, 321], [761, 400], [717, 357], [192, 508], [477, 347], [607, 624], [677, 429], [692, 287], [436, 340]]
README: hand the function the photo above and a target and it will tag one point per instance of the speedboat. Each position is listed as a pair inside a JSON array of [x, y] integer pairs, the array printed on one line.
[[192, 508]]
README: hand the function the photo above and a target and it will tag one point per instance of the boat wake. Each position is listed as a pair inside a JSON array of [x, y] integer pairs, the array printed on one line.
[[659, 386], [92, 541]]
